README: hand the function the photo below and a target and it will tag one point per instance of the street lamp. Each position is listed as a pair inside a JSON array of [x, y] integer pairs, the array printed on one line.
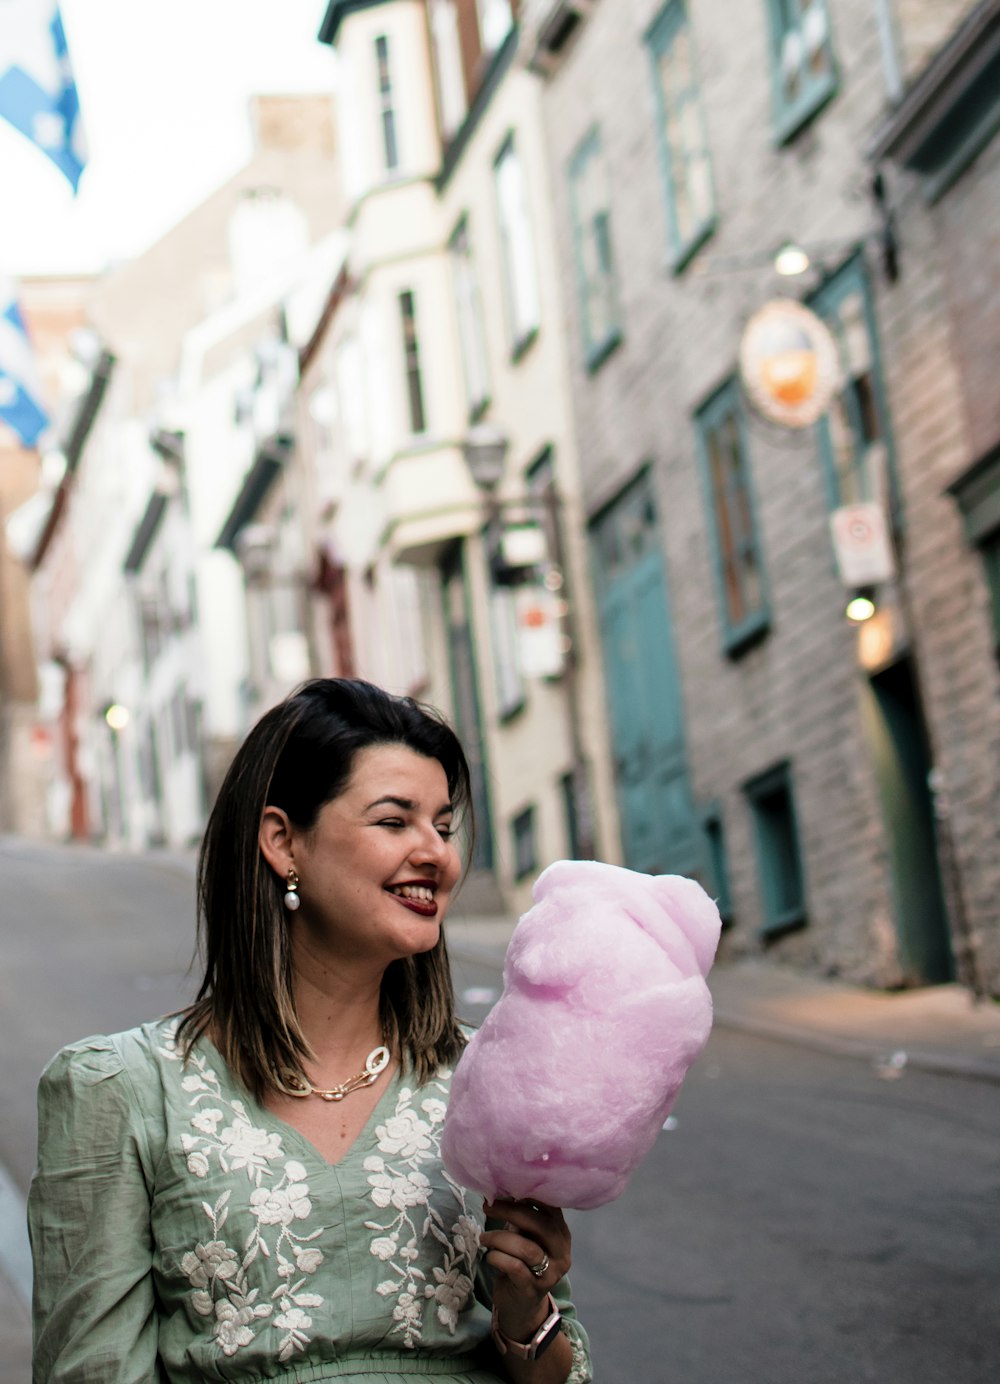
[[485, 450], [516, 549]]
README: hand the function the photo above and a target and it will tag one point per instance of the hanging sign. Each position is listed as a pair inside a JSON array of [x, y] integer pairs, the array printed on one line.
[[789, 363], [538, 613], [862, 544]]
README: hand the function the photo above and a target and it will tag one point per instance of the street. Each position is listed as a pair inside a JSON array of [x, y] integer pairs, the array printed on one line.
[[805, 1218]]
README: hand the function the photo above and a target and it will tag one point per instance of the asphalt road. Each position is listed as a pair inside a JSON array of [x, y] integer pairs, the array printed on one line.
[[806, 1219]]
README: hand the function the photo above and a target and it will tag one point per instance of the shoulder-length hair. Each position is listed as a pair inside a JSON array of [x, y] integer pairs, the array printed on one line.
[[299, 756]]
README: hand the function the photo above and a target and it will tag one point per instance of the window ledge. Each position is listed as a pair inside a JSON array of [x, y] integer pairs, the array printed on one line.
[[792, 120], [523, 345], [597, 355], [682, 257], [785, 922], [513, 712], [743, 637]]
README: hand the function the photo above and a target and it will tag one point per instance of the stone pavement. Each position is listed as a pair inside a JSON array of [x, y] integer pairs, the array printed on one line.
[[940, 1029]]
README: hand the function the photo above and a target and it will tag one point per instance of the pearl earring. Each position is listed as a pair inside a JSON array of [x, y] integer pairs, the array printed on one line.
[[292, 899]]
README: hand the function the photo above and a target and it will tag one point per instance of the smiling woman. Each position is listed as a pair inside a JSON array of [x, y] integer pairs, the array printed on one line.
[[254, 1188]]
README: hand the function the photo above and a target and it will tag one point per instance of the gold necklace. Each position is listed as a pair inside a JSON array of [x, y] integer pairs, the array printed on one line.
[[375, 1064]]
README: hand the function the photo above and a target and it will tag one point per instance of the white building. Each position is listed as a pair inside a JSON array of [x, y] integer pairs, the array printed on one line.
[[446, 346]]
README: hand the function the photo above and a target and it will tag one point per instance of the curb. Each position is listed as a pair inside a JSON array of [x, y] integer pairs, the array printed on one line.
[[837, 1045]]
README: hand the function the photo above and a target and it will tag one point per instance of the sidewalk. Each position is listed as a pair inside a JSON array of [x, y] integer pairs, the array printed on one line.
[[938, 1029]]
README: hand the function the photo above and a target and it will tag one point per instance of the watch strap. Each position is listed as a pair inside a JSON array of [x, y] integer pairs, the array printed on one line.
[[540, 1341]]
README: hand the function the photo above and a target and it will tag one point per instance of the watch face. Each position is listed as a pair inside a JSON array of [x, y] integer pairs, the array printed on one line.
[[547, 1339]]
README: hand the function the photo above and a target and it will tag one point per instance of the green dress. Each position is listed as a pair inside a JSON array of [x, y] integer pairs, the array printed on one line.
[[183, 1233]]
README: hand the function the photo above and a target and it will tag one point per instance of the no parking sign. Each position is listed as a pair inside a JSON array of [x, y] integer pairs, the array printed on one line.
[[862, 544]]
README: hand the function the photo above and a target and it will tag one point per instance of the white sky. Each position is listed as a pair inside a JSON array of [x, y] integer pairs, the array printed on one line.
[[164, 88]]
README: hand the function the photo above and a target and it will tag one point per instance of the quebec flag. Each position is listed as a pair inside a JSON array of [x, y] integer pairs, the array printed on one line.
[[37, 91], [20, 387]]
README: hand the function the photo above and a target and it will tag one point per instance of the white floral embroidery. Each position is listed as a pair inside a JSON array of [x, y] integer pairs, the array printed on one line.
[[405, 1141], [579, 1370], [217, 1272]]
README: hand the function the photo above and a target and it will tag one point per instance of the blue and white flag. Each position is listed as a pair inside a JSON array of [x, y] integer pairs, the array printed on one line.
[[20, 386], [37, 91]]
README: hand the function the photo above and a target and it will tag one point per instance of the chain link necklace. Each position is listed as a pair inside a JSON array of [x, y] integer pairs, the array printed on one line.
[[375, 1064]]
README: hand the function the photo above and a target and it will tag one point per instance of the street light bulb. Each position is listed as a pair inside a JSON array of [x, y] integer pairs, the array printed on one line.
[[791, 260], [859, 609], [117, 716]]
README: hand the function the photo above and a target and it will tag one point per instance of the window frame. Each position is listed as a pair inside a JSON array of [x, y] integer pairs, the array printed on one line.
[[524, 843], [388, 125], [596, 351], [726, 402], [714, 830], [826, 301], [520, 335], [413, 377], [792, 116], [470, 316], [756, 791], [660, 37]]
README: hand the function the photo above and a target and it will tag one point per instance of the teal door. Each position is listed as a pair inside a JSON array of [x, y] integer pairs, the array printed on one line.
[[660, 833]]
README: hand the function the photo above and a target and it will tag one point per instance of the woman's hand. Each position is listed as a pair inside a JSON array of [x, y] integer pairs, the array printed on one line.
[[533, 1234]]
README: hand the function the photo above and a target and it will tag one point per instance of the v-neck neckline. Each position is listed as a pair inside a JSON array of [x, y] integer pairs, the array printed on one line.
[[263, 1115]]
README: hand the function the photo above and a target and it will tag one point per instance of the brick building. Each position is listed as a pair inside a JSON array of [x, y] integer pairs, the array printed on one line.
[[836, 782]]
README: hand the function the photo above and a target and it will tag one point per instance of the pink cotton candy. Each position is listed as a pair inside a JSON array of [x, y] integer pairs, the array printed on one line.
[[561, 1093]]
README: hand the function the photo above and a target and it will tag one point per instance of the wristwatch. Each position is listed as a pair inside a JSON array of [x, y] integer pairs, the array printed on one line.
[[539, 1343]]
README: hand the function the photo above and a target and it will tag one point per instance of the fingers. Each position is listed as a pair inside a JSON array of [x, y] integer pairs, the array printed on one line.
[[533, 1247]]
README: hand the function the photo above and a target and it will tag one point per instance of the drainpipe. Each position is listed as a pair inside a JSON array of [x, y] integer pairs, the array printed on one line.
[[891, 61]]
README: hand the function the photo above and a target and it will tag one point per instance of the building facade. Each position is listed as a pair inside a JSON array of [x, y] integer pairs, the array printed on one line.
[[447, 352], [151, 673], [836, 783]]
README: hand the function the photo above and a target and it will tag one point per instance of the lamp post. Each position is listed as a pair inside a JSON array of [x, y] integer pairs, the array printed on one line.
[[485, 450]]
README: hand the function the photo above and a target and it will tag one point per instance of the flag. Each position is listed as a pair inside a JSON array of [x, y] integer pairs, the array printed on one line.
[[37, 91], [20, 386]]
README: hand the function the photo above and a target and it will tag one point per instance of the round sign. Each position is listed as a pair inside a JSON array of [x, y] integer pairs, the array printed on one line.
[[789, 363]]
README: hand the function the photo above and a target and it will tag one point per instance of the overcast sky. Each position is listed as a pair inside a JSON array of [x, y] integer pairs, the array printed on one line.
[[164, 89]]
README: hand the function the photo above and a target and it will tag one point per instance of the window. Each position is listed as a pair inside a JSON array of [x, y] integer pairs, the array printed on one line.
[[591, 213], [472, 335], [411, 350], [448, 73], [570, 789], [523, 837], [739, 565], [803, 72], [990, 550], [390, 146], [687, 168], [509, 684], [718, 882], [854, 434], [517, 248], [977, 492], [778, 858]]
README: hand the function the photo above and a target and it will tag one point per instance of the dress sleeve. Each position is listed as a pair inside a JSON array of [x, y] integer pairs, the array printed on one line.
[[89, 1222]]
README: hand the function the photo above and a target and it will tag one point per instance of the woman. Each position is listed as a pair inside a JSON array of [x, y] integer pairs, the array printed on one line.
[[253, 1189]]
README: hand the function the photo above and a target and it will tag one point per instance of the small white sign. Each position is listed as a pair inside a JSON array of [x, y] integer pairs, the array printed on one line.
[[540, 651], [862, 544]]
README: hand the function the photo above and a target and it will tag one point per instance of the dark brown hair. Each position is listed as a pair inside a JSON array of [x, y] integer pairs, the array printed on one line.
[[299, 756]]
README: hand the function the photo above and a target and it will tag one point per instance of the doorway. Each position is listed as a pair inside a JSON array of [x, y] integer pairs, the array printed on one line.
[[900, 749]]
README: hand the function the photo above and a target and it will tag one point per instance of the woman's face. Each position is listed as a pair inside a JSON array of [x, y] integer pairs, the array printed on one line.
[[377, 870]]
